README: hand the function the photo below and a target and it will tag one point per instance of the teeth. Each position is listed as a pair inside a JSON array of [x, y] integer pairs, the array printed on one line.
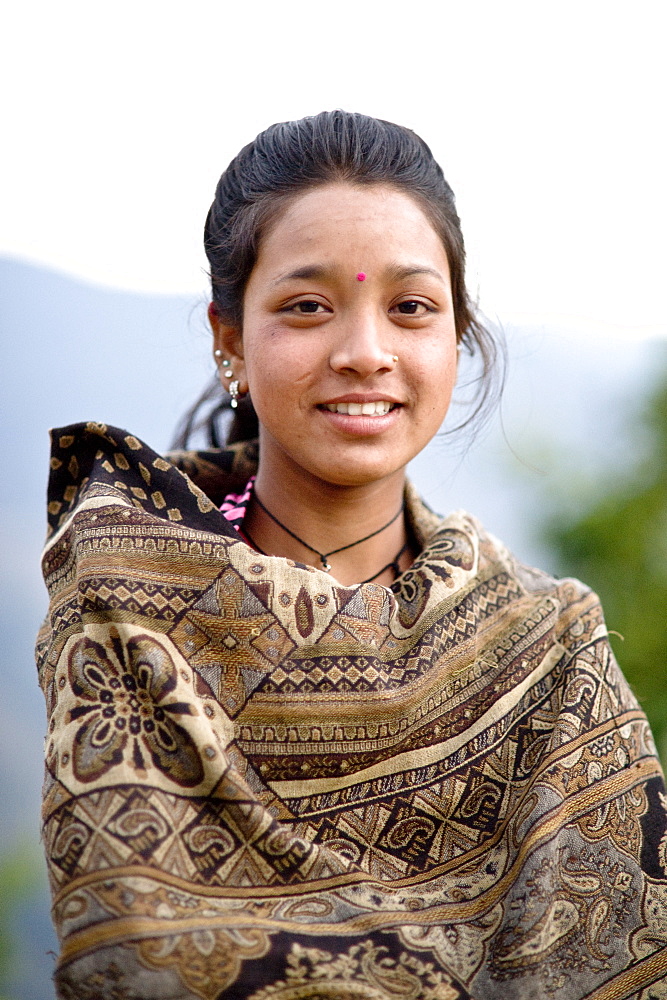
[[377, 409]]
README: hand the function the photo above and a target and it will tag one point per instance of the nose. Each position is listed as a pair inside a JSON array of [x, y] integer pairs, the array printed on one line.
[[362, 346]]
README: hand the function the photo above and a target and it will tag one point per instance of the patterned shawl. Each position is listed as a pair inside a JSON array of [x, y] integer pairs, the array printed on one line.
[[263, 785]]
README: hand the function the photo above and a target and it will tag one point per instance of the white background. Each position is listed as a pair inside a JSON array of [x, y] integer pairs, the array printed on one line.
[[548, 119]]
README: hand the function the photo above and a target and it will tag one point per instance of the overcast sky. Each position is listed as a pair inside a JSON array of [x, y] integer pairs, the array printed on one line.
[[548, 120]]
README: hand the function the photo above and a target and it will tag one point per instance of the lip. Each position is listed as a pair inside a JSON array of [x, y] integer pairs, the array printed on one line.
[[362, 397], [359, 425]]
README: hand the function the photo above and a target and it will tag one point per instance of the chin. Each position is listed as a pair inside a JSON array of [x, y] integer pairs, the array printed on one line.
[[356, 476]]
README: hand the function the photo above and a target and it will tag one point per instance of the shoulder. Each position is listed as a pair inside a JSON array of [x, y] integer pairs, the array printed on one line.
[[491, 554], [95, 465], [219, 471], [578, 630], [573, 608]]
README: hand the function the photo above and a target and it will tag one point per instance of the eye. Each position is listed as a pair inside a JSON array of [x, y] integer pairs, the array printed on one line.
[[412, 307], [305, 307]]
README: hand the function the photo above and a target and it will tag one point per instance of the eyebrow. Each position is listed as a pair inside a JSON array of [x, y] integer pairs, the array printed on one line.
[[397, 272], [307, 272], [400, 272]]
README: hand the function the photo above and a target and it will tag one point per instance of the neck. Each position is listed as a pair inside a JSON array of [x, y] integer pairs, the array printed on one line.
[[326, 517]]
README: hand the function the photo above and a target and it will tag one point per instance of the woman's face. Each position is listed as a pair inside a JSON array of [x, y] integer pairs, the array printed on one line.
[[318, 344]]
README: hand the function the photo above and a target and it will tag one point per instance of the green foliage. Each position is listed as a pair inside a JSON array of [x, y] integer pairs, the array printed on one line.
[[618, 545], [19, 878]]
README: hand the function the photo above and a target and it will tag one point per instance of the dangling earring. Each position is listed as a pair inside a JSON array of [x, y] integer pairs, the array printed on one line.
[[234, 392]]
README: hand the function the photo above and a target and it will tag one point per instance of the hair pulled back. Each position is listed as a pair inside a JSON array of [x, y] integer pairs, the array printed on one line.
[[290, 158]]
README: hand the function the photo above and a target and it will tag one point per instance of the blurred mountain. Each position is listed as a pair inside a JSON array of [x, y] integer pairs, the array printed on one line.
[[72, 352], [77, 352]]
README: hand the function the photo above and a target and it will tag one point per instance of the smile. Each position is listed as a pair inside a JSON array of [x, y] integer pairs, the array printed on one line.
[[378, 408]]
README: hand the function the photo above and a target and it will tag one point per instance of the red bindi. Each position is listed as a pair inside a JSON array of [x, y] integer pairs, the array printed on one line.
[[361, 276]]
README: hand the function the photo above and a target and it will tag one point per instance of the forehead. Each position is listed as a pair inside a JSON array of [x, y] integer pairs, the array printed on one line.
[[373, 221]]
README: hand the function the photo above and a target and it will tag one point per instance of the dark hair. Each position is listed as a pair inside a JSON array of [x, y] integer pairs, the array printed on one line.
[[290, 158]]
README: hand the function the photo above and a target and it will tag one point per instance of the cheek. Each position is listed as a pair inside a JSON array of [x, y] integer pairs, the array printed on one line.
[[436, 368], [437, 385], [264, 386], [276, 378], [259, 349], [280, 364]]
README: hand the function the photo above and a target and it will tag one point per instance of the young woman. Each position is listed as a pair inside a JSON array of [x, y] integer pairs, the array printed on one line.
[[307, 738]]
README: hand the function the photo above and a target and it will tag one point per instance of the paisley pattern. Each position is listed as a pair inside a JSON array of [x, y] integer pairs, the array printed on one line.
[[364, 971], [263, 785]]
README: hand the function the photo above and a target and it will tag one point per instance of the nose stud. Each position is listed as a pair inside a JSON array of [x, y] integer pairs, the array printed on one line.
[[394, 358]]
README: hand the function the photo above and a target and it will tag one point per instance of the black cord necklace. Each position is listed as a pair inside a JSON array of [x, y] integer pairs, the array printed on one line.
[[324, 556], [394, 564]]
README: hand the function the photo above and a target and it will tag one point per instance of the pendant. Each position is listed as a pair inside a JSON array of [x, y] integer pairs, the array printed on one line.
[[326, 565]]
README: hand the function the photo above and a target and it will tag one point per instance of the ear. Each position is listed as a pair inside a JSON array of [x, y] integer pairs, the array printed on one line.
[[228, 339]]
